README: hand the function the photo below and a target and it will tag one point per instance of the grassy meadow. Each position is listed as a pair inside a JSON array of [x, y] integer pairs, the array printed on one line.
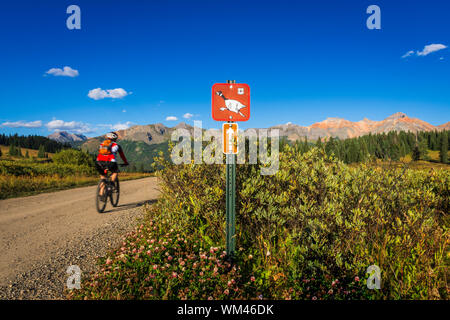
[[20, 176], [308, 232]]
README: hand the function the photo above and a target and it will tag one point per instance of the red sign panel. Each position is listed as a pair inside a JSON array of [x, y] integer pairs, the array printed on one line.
[[231, 102]]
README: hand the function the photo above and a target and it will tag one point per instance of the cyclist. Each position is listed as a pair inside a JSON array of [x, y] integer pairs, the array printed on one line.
[[106, 158]]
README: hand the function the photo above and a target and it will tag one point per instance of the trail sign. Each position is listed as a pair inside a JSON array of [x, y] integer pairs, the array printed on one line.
[[230, 138], [231, 102]]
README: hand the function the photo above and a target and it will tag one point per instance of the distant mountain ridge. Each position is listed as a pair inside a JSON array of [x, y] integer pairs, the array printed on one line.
[[66, 137], [331, 127], [341, 128]]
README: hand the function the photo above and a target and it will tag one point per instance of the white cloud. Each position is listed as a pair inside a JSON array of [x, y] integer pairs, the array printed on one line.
[[65, 72], [426, 50], [121, 126], [431, 48], [99, 93], [171, 118], [23, 124], [117, 126], [73, 126], [188, 115], [408, 54]]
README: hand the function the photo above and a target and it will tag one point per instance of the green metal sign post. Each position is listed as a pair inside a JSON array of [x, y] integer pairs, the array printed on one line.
[[231, 201], [230, 205]]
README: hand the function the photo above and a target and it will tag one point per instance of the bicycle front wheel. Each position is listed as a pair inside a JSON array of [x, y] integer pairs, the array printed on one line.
[[101, 196], [115, 193]]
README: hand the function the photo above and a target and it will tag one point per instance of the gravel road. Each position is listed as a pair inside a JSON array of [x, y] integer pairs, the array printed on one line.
[[42, 235]]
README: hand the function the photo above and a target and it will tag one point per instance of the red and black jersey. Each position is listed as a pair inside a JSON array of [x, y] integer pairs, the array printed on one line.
[[112, 156]]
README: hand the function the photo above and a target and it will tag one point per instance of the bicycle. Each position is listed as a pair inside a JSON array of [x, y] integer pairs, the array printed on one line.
[[111, 190]]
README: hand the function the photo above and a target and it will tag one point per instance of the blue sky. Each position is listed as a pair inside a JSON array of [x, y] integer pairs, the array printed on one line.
[[304, 61]]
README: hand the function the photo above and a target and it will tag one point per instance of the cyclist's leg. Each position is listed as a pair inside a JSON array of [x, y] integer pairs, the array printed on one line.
[[114, 171], [100, 168], [102, 186]]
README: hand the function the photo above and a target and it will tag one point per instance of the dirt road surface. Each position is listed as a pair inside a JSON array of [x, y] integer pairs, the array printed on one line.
[[42, 235]]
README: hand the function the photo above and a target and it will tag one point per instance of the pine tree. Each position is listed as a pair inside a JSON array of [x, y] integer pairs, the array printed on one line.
[[319, 143], [27, 154], [19, 152], [363, 151], [423, 147], [420, 151], [330, 147], [443, 148], [12, 150], [416, 153], [1, 152], [41, 152]]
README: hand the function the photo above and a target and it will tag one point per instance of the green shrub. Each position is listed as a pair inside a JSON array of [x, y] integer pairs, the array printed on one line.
[[31, 168], [317, 216], [308, 232], [73, 157]]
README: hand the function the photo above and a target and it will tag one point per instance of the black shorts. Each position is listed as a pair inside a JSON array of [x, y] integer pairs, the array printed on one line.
[[102, 165]]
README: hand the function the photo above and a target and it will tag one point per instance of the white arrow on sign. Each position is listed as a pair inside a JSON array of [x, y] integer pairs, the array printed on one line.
[[230, 136]]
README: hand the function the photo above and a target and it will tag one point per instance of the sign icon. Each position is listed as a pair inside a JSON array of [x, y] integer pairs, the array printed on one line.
[[231, 102], [230, 138]]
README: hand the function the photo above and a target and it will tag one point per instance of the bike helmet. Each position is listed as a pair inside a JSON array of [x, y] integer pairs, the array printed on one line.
[[112, 136]]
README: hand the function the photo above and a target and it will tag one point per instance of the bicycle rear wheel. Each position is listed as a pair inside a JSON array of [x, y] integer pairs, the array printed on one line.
[[101, 200], [115, 193]]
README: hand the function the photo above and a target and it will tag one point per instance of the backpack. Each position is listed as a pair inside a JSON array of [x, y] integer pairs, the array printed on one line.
[[105, 147]]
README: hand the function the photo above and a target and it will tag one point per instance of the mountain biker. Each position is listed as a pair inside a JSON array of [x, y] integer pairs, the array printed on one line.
[[106, 158]]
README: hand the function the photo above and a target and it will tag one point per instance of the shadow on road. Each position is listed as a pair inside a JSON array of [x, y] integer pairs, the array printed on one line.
[[130, 206]]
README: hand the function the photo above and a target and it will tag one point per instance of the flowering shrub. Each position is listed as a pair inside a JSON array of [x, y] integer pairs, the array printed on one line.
[[308, 232], [158, 262]]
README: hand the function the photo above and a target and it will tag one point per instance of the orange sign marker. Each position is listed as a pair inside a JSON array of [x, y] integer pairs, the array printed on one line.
[[231, 102], [230, 138]]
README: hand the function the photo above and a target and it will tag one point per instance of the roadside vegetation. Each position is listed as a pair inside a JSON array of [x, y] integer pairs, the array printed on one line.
[[308, 232], [42, 172]]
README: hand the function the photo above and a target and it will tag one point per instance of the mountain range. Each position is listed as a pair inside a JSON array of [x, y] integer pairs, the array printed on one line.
[[66, 137], [331, 127], [341, 128]]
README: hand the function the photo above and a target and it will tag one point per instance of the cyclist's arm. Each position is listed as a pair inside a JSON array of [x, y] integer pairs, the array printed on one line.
[[122, 155]]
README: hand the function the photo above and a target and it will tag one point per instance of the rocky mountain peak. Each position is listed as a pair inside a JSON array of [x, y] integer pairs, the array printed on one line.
[[66, 137]]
